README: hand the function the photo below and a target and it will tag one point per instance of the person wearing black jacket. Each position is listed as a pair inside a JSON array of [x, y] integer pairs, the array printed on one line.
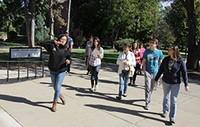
[[59, 58], [172, 67]]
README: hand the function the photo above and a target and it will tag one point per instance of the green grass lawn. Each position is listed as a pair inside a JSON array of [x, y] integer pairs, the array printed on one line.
[[10, 44], [4, 56], [110, 55]]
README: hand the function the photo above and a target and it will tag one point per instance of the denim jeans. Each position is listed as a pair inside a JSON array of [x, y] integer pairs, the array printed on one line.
[[123, 83], [149, 86], [94, 75], [57, 80], [170, 99]]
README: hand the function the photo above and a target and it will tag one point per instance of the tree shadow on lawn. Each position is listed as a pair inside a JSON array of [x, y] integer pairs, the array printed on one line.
[[24, 100], [143, 114]]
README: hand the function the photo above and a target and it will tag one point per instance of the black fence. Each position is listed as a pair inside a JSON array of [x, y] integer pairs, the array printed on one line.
[[24, 57]]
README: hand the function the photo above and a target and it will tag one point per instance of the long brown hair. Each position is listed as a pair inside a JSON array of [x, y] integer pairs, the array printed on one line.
[[60, 36], [93, 44], [176, 52]]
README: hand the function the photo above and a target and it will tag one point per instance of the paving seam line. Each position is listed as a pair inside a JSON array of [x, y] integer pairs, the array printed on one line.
[[11, 116]]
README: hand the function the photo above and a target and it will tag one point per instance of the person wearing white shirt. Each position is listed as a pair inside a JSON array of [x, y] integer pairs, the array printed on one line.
[[95, 56], [126, 62]]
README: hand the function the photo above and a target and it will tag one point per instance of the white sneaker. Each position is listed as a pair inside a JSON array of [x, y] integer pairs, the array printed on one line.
[[92, 89], [97, 87]]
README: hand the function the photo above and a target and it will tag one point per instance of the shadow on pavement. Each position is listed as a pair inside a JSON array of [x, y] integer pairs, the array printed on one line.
[[142, 114], [23, 100], [15, 80], [83, 92], [108, 81]]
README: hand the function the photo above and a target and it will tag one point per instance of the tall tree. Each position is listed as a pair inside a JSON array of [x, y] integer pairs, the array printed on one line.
[[117, 18], [176, 18], [192, 32], [193, 48], [30, 22]]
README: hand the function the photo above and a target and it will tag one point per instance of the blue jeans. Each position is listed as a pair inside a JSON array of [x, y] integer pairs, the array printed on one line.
[[123, 83], [57, 80], [94, 74], [170, 97]]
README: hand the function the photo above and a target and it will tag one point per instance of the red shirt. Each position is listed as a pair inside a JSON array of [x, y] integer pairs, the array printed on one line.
[[137, 56]]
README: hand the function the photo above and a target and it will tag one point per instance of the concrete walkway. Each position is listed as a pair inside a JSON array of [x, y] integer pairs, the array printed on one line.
[[26, 103]]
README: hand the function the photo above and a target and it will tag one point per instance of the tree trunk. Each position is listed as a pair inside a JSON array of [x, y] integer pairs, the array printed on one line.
[[68, 15], [191, 38], [28, 31], [116, 37], [51, 19], [30, 24], [32, 38]]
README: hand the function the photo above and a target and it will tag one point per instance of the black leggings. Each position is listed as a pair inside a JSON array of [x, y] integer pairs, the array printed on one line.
[[137, 68], [94, 74]]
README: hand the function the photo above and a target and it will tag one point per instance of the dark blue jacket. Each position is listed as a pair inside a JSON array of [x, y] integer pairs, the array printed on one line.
[[172, 71]]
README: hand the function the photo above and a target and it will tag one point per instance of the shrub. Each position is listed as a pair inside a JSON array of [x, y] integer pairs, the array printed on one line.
[[12, 36], [119, 44]]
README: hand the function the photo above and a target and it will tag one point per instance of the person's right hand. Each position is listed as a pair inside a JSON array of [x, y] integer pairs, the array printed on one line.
[[125, 62]]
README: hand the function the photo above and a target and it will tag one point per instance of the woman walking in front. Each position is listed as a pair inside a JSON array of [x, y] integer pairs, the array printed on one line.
[[95, 56], [172, 68], [59, 58]]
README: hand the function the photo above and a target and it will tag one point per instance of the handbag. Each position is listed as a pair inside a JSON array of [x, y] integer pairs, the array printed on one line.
[[125, 72]]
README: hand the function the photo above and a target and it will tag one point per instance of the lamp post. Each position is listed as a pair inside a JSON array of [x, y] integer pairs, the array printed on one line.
[[51, 19], [68, 16]]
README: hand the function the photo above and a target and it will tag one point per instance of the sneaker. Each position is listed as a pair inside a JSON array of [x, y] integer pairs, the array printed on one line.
[[172, 121], [134, 85], [97, 87], [129, 84], [124, 95], [146, 107], [119, 97], [164, 115], [92, 89]]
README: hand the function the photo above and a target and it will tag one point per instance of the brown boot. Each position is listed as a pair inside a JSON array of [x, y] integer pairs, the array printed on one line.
[[53, 109], [62, 99]]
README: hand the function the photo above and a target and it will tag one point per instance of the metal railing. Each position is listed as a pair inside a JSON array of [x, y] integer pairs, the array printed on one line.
[[19, 64]]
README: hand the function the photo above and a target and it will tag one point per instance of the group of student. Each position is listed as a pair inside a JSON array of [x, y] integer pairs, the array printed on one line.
[[130, 61], [154, 64]]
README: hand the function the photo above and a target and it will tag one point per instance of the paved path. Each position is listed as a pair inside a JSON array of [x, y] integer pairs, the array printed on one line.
[[27, 103]]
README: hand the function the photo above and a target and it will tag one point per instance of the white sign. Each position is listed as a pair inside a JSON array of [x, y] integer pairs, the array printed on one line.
[[25, 53]]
